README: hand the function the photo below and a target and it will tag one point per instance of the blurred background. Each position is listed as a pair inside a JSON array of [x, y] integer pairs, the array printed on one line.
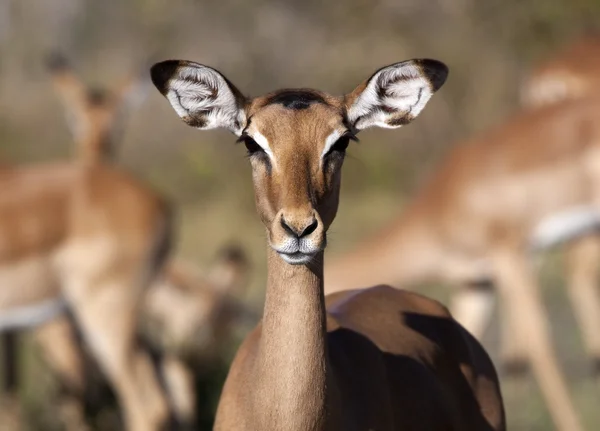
[[262, 45]]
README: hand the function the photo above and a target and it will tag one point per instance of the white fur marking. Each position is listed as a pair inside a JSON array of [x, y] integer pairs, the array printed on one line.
[[565, 226], [32, 315], [329, 141], [264, 144]]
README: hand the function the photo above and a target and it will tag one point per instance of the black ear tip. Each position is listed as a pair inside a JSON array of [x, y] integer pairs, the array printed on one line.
[[162, 72], [56, 61], [436, 71]]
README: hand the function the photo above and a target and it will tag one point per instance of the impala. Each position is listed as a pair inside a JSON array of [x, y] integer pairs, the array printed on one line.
[[205, 309], [205, 317], [88, 237], [367, 359], [525, 185], [572, 73]]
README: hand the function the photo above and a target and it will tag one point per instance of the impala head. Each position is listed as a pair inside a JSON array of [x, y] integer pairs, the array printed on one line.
[[202, 300], [95, 116], [296, 139], [230, 269]]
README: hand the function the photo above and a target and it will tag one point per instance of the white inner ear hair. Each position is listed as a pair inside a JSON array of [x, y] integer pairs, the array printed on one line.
[[404, 89], [200, 92]]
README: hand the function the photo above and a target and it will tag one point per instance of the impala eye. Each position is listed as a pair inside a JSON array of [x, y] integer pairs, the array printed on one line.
[[339, 147], [251, 146]]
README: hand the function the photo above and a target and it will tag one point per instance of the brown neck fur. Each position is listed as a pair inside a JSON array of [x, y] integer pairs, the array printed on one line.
[[94, 150], [292, 359]]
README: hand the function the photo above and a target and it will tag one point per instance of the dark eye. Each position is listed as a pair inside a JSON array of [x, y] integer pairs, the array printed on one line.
[[341, 144], [251, 146], [339, 147]]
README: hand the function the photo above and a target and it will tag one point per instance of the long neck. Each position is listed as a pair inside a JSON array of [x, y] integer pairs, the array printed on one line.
[[94, 149], [292, 357], [401, 254]]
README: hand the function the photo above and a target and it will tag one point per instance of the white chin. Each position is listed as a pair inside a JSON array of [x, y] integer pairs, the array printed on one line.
[[296, 258]]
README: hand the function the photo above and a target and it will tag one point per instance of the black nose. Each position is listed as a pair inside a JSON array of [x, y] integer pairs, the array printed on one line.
[[299, 232]]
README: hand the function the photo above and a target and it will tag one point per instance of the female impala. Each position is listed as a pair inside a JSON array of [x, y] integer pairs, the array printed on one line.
[[372, 359], [570, 74], [206, 311], [91, 237]]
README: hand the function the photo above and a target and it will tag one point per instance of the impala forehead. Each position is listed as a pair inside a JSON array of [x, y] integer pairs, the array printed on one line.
[[281, 131]]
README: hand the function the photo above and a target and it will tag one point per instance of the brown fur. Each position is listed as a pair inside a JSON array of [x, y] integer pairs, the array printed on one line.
[[373, 359]]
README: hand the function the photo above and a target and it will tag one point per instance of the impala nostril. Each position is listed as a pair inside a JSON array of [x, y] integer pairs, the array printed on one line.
[[310, 228], [299, 232], [286, 227]]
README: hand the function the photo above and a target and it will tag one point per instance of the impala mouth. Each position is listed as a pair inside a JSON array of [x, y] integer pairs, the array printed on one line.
[[297, 258]]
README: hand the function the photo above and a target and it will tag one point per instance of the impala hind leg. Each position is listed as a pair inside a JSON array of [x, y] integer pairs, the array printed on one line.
[[520, 293], [472, 306], [61, 350], [179, 382], [583, 258], [513, 345], [106, 308]]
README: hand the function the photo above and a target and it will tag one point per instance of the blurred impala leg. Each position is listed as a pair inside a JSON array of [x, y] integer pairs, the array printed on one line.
[[10, 406], [179, 381], [472, 306], [61, 350], [583, 258], [520, 294], [513, 345]]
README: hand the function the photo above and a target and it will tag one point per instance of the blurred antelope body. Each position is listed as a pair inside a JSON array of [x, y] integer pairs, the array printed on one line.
[[574, 73], [570, 73], [206, 309], [90, 236], [371, 359]]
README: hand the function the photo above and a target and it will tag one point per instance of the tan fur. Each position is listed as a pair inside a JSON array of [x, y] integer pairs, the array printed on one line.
[[372, 359]]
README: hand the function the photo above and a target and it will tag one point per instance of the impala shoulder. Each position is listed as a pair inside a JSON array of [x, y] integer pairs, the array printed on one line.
[[384, 297]]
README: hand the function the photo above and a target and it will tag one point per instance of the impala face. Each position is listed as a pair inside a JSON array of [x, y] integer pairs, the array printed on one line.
[[296, 139], [95, 117]]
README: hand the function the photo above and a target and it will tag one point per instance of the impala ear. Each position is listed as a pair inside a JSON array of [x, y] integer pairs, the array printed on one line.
[[200, 95], [395, 94]]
